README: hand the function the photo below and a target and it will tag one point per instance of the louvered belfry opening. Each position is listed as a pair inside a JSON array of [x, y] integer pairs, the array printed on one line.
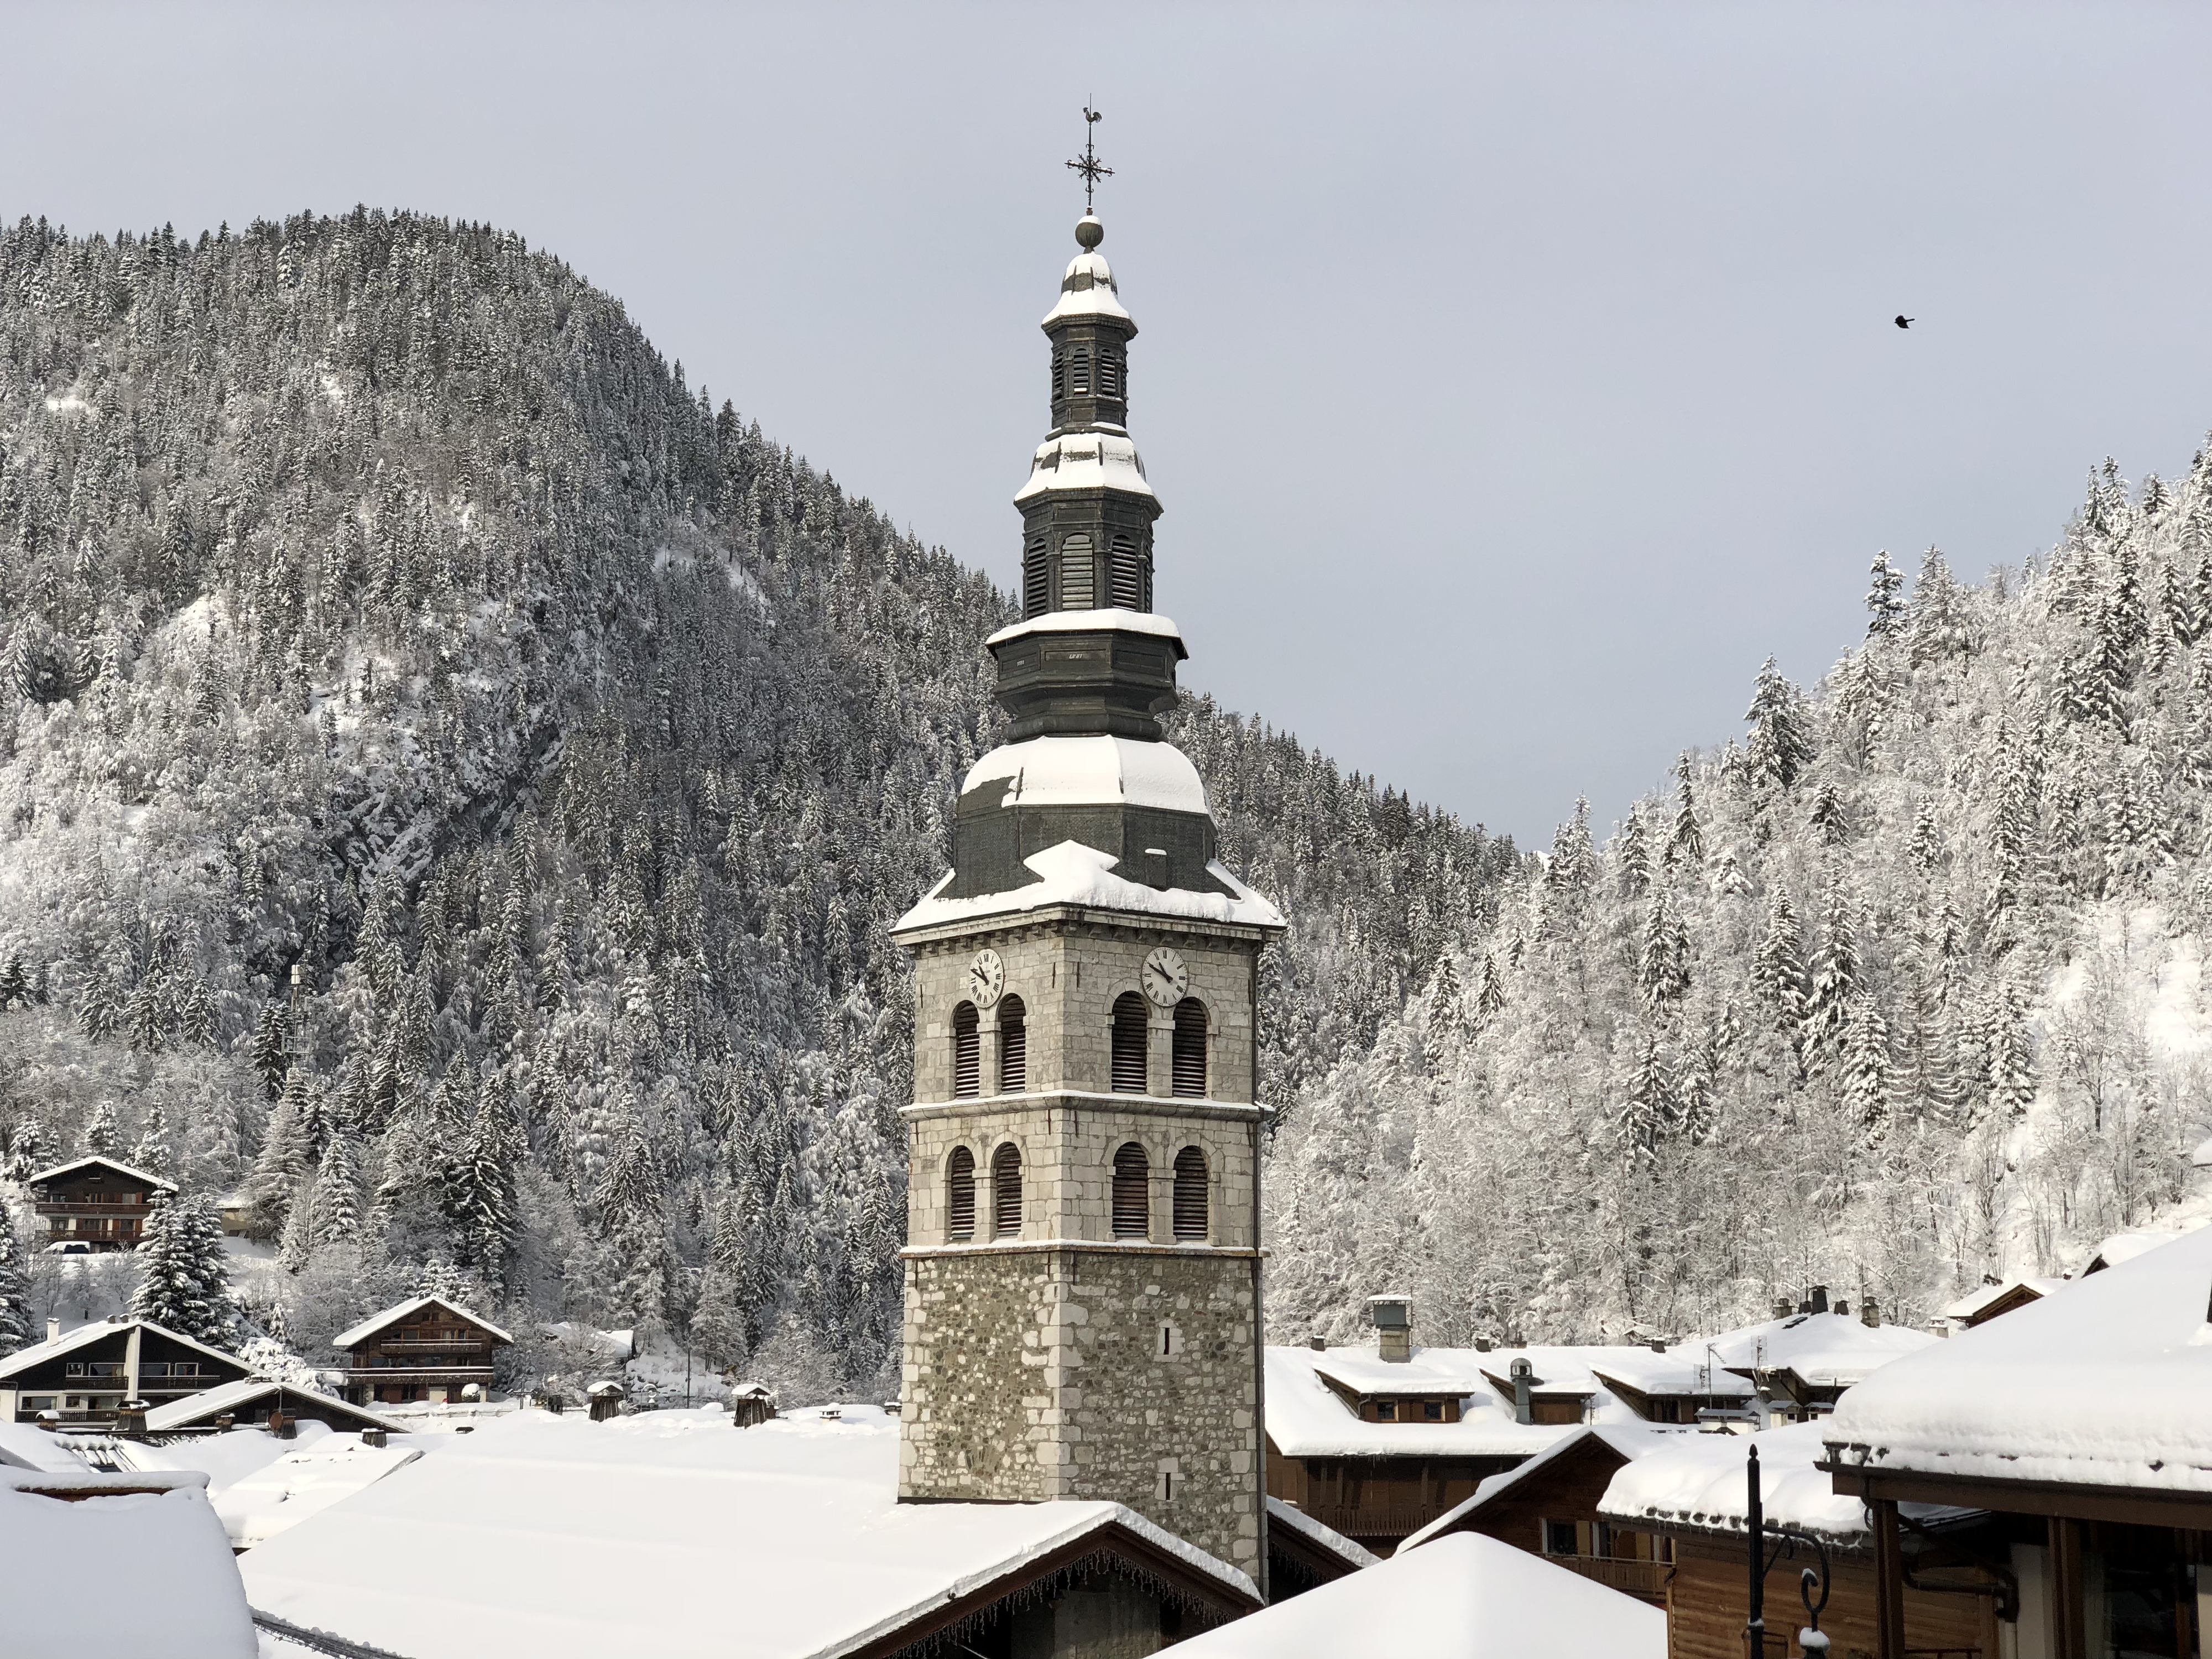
[[1077, 574], [960, 1195], [1014, 1048], [1127, 575], [1190, 1194], [1133, 1192], [1190, 1049], [1129, 1022], [967, 1054], [1037, 577], [1006, 1191]]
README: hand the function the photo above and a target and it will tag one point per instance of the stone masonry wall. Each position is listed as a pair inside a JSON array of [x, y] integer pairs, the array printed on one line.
[[1121, 1375]]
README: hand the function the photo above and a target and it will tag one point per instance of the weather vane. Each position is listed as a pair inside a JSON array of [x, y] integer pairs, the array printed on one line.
[[1090, 166]]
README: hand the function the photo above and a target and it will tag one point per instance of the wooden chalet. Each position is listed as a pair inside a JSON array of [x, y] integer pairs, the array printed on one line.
[[1302, 1555], [426, 1348], [1998, 1298], [86, 1375], [252, 1402], [96, 1204]]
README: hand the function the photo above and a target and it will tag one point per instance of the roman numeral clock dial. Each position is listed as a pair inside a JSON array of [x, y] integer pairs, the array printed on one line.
[[1165, 978], [986, 977]]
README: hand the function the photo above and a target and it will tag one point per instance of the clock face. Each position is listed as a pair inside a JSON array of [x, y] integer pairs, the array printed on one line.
[[1166, 978], [986, 978]]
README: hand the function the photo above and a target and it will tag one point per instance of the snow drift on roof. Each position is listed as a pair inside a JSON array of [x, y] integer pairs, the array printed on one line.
[[1090, 460], [1088, 290], [669, 1534], [26, 1446], [1430, 1371], [1088, 622], [1091, 771], [1291, 1518], [1968, 1306], [1463, 1597], [105, 1163], [1306, 1418], [375, 1323], [1077, 875], [2106, 1385], [210, 1403], [69, 1341]]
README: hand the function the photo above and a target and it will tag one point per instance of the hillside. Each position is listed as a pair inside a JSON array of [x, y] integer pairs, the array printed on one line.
[[1903, 989], [377, 607]]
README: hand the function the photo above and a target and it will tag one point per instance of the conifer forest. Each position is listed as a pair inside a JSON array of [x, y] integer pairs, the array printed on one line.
[[456, 780]]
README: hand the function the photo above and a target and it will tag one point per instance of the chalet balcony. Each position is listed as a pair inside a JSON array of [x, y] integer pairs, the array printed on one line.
[[423, 1345], [417, 1373], [1645, 1580], [1366, 1523]]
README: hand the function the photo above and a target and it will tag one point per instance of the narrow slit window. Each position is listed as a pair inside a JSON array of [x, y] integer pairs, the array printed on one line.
[[1133, 1192], [1014, 1048], [1130, 1033], [1190, 1049], [1077, 577], [1006, 1191], [1125, 577], [967, 1054], [1190, 1202], [960, 1195]]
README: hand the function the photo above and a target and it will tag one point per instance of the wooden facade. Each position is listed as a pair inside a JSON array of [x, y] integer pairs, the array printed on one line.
[[1550, 1510], [1709, 1605], [95, 1204], [1377, 1502], [427, 1349], [86, 1376]]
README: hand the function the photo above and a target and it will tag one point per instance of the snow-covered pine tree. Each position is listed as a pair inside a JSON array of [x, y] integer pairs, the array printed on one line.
[[185, 1285], [1885, 599], [1779, 747], [1826, 818], [102, 1137], [272, 1048], [1777, 970], [336, 1196], [15, 1325], [1835, 978], [1646, 1113], [150, 1152], [1685, 845]]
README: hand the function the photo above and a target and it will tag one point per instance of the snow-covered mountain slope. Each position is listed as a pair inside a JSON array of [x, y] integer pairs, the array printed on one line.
[[376, 602], [1904, 989]]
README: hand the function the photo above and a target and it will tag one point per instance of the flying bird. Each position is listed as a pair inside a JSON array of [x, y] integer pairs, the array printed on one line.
[[1903, 321]]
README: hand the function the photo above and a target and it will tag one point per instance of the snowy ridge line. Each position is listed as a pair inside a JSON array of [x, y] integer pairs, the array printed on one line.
[[317, 1641]]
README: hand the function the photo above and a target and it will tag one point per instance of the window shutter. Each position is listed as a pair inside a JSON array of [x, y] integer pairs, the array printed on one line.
[[1059, 376], [1014, 1048], [1109, 374], [1190, 1049], [1133, 1192], [967, 1054], [1190, 1218], [1077, 578], [1129, 1023], [1126, 575], [1036, 579], [1078, 380], [1006, 1191], [960, 1195]]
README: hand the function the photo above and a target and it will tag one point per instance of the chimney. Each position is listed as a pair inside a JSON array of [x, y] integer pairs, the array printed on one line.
[[131, 1420], [1394, 1327], [1782, 1308], [53, 1330], [1819, 1302], [1319, 1344], [1658, 1344], [1522, 1374], [1870, 1314], [372, 1437]]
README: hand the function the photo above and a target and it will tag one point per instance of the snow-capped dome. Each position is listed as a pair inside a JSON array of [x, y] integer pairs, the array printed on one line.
[[1091, 771], [1092, 460], [1088, 290]]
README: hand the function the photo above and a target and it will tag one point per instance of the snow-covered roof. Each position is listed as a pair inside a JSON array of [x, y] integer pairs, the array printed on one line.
[[1073, 874], [407, 1309], [69, 1341], [2106, 1385], [210, 1403], [1088, 290], [1116, 618], [1091, 771], [605, 1345], [1825, 1350], [1291, 1518], [567, 1538], [1968, 1306], [2125, 1247], [1698, 1481], [1463, 1597], [160, 1553], [1631, 1442], [261, 1486], [1305, 1418], [1086, 459], [1429, 1370], [103, 1161], [26, 1446]]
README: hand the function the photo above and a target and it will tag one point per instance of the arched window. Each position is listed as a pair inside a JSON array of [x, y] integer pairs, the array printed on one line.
[[1190, 1049], [1006, 1191], [1036, 578], [1014, 1048], [1078, 583], [960, 1195], [1129, 1025], [1124, 577], [967, 1054], [1109, 374], [1078, 380], [1133, 1192], [1190, 1194]]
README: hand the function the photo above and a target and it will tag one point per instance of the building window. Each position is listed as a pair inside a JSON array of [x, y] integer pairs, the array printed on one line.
[[967, 1054], [1006, 1191], [1125, 576], [1133, 1192], [1130, 1031], [1079, 378], [1190, 1217], [1559, 1537], [1109, 374], [1433, 1410], [1190, 1049], [960, 1195], [1386, 1410], [1078, 578], [1014, 1048], [1036, 578], [1059, 376]]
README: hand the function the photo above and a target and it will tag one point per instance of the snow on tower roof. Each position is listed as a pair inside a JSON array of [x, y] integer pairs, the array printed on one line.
[[1083, 878], [1085, 621], [1088, 290], [375, 1323], [2105, 1385], [1087, 771], [1462, 1597], [100, 1160], [1092, 459], [670, 1533]]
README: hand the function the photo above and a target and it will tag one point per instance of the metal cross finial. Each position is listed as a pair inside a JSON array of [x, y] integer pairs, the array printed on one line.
[[1090, 166]]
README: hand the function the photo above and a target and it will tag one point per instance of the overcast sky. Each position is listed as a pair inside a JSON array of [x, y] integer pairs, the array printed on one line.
[[1515, 377]]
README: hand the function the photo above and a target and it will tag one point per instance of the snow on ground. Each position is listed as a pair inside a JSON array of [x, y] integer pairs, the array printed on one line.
[[1462, 1597], [655, 1536], [158, 1561], [2105, 1384]]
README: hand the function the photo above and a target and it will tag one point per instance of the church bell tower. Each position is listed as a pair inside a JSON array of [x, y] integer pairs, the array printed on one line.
[[1083, 1313]]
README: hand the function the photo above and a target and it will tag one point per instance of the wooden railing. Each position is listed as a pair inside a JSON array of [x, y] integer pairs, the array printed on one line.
[[1393, 1521], [1647, 1579]]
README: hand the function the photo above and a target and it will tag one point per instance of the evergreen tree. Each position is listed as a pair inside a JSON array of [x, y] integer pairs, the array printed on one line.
[[15, 1325], [2011, 1064], [102, 1136], [1835, 977], [29, 1149], [1647, 1106], [1827, 816], [1445, 1001], [336, 1200], [184, 1286], [272, 1047], [1663, 972], [1885, 600], [1687, 844], [1489, 991], [150, 1152], [1925, 850], [1632, 856], [1778, 971], [14, 985], [1779, 746], [287, 1148], [1866, 1068]]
